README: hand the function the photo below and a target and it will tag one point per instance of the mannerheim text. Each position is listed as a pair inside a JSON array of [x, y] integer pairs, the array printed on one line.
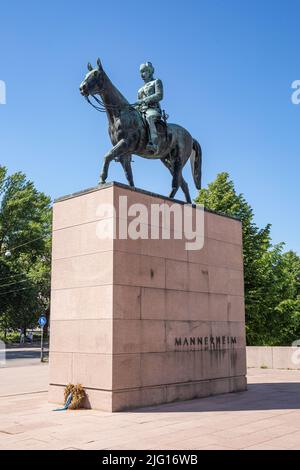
[[205, 342]]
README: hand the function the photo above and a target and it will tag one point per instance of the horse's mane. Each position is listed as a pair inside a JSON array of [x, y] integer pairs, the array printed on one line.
[[111, 92]]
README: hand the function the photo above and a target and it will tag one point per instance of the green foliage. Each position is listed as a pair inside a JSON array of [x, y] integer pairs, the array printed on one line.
[[272, 277], [288, 317], [10, 337], [25, 228]]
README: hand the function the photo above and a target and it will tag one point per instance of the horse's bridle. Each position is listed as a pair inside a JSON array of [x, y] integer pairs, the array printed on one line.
[[103, 107]]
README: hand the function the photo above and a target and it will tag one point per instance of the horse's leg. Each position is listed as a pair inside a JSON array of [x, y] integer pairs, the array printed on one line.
[[126, 164], [183, 185], [177, 181], [176, 173], [185, 188], [118, 150]]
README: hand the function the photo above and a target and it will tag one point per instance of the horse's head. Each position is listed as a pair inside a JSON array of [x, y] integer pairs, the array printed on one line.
[[93, 81]]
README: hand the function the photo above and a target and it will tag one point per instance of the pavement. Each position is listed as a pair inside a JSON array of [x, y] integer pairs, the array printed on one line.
[[267, 416], [16, 357]]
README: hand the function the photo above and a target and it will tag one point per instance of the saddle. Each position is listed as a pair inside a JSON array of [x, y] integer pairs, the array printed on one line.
[[161, 125]]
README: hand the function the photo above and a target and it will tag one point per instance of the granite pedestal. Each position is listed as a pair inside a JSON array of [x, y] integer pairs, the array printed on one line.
[[145, 321]]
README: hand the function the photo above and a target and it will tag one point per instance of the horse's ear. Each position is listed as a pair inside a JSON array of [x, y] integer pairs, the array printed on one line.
[[99, 64], [89, 66]]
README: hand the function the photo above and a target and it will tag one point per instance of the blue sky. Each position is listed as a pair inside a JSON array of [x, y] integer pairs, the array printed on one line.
[[227, 68]]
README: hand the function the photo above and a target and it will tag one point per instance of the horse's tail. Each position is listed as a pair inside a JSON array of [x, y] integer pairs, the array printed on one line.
[[196, 163]]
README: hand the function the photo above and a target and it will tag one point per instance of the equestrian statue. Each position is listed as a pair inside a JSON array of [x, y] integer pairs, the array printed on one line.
[[141, 128]]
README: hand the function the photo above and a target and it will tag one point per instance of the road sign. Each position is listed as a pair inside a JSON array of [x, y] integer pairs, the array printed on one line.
[[42, 321]]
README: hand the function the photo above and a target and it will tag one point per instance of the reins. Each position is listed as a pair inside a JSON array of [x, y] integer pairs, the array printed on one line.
[[103, 107]]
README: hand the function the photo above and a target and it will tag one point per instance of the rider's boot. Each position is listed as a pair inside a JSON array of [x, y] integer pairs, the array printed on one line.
[[153, 143]]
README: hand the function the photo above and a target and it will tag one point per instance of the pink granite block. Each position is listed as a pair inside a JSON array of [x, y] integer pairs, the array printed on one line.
[[224, 229], [231, 334], [127, 371], [64, 337], [238, 384], [96, 336], [81, 240], [137, 321], [132, 197], [220, 385], [85, 336], [236, 282], [153, 369], [236, 308], [178, 331], [172, 304], [98, 400], [82, 209], [171, 248], [177, 275], [173, 216], [221, 330], [145, 271], [151, 241], [153, 304], [86, 303], [124, 240], [61, 368], [83, 271], [180, 392], [237, 362], [215, 363], [133, 336], [198, 276], [136, 398], [237, 330], [218, 280], [200, 256], [56, 394], [167, 368], [234, 256], [218, 307], [127, 302], [159, 212], [224, 254], [93, 370], [198, 306], [182, 305], [186, 276], [226, 281]]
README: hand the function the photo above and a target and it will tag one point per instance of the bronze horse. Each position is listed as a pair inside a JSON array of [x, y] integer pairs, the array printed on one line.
[[129, 134]]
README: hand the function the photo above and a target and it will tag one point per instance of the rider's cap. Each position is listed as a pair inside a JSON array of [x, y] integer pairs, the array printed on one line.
[[147, 65]]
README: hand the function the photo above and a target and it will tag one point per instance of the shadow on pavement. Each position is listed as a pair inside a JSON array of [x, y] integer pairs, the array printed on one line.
[[260, 396]]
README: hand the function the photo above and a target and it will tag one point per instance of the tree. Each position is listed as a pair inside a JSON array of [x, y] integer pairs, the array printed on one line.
[[271, 276], [25, 229]]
